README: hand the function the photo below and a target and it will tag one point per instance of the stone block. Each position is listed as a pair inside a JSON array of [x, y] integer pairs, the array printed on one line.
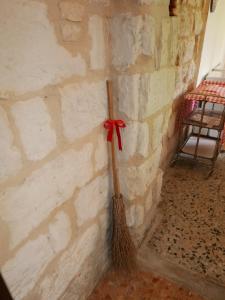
[[200, 4], [145, 96], [143, 140], [186, 22], [25, 206], [165, 42], [71, 31], [157, 131], [70, 264], [149, 201], [178, 82], [35, 128], [128, 95], [186, 50], [166, 120], [127, 48], [98, 51], [84, 107], [140, 96], [147, 2], [23, 270], [188, 74], [71, 11], [189, 46], [39, 59], [137, 36], [85, 282], [148, 36], [101, 153], [135, 180], [184, 76], [156, 91], [198, 22], [157, 187], [191, 72], [135, 215], [102, 2], [157, 2], [191, 2], [196, 3], [174, 39], [92, 199], [59, 232], [105, 220], [171, 126], [135, 139], [10, 158]]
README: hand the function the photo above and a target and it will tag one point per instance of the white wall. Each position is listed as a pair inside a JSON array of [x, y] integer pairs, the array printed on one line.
[[213, 52]]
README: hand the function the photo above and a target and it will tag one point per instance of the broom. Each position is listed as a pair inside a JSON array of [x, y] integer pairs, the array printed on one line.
[[123, 249]]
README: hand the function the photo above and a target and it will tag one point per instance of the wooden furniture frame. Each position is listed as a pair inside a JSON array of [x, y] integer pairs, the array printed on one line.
[[197, 129]]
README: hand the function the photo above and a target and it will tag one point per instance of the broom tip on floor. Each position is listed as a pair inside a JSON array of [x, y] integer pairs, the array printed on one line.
[[123, 248]]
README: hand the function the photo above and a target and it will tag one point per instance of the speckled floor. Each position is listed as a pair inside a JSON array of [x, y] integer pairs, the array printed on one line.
[[191, 235], [139, 286], [192, 231]]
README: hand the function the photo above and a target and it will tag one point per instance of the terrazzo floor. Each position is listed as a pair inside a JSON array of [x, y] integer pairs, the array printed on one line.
[[191, 234], [139, 286], [192, 231]]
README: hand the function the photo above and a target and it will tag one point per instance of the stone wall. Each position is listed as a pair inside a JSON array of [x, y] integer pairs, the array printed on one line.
[[54, 177], [155, 59]]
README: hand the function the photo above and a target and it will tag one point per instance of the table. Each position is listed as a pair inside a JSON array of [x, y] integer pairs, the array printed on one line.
[[201, 130]]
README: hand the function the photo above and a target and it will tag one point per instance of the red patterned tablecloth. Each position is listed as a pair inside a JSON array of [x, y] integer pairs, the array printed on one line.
[[211, 91]]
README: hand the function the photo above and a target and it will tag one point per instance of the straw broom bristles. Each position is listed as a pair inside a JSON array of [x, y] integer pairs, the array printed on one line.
[[123, 249]]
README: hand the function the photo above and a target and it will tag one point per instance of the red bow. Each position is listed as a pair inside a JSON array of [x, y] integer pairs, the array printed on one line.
[[109, 125]]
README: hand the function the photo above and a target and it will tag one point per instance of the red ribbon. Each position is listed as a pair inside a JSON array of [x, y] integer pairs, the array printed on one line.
[[109, 125]]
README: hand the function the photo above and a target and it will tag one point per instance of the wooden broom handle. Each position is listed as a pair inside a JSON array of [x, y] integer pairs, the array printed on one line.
[[114, 161]]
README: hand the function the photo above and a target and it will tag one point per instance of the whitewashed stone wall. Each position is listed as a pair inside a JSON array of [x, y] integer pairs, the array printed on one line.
[[54, 181], [55, 184], [155, 62]]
